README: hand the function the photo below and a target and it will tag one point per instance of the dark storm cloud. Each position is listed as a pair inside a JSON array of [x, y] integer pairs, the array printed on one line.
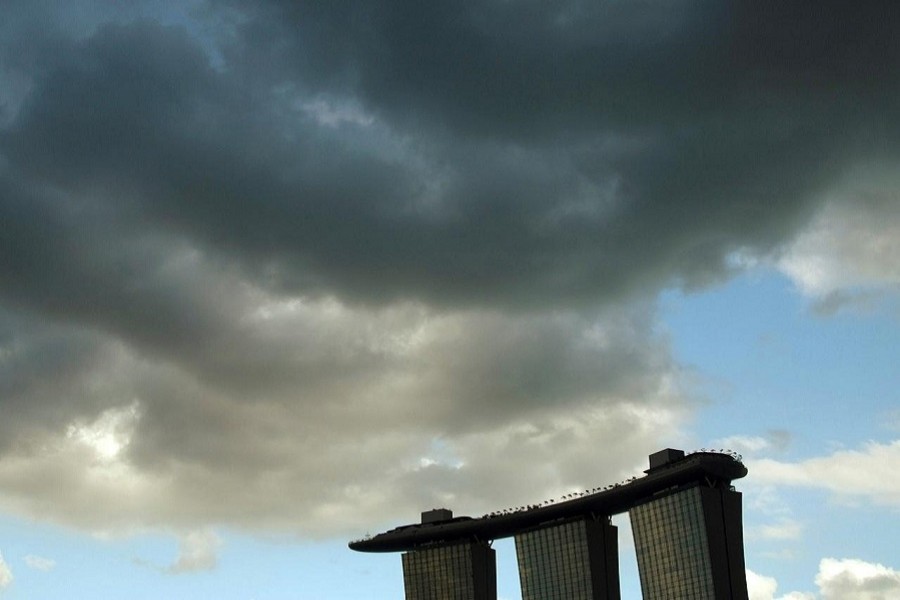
[[519, 152], [517, 69], [39, 366], [320, 259], [522, 68]]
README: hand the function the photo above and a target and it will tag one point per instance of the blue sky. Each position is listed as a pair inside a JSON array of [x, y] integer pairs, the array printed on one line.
[[274, 275]]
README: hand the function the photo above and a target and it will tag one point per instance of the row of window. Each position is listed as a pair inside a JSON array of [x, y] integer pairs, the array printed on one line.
[[554, 563], [443, 573], [672, 548]]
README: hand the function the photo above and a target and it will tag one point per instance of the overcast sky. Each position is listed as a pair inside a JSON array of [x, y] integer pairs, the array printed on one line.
[[299, 270]]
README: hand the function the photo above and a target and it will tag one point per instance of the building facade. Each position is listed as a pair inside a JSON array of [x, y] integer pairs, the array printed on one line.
[[685, 516], [574, 560], [466, 571], [689, 545]]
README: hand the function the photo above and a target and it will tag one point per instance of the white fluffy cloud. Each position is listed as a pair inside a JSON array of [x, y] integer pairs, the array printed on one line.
[[869, 472], [197, 551], [837, 579], [852, 579], [761, 587], [6, 576]]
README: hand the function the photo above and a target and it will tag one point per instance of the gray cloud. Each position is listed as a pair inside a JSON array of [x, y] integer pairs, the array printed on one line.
[[615, 201], [306, 266], [346, 426], [846, 256]]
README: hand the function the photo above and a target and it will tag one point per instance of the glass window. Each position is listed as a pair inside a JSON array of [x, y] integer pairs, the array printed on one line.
[[672, 548]]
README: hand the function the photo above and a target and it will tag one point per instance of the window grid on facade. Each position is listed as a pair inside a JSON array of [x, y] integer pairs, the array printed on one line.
[[672, 547], [554, 563], [457, 572]]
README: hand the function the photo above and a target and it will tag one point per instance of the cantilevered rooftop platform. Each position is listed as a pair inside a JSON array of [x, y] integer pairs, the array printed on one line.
[[670, 469]]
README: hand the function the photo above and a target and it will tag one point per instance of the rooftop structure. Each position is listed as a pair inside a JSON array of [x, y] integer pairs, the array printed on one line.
[[667, 471]]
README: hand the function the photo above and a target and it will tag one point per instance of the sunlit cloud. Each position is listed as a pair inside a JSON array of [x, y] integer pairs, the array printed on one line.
[[853, 579], [847, 255], [837, 579], [109, 433], [868, 473], [761, 587]]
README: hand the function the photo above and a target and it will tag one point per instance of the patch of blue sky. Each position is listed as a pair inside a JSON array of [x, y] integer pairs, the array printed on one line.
[[767, 361], [137, 567], [82, 565], [826, 528]]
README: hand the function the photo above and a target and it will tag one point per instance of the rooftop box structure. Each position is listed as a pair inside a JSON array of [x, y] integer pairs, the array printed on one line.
[[437, 514], [664, 457]]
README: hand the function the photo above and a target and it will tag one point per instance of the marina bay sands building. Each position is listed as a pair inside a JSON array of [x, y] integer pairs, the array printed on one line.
[[685, 517]]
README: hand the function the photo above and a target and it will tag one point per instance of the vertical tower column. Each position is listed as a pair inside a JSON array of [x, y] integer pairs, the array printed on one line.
[[689, 545], [466, 571], [573, 560]]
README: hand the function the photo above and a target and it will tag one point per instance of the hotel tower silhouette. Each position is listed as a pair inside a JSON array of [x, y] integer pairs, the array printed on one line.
[[685, 516]]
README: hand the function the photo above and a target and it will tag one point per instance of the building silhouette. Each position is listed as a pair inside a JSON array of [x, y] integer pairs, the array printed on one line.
[[466, 571], [689, 540], [578, 558], [461, 571], [685, 516]]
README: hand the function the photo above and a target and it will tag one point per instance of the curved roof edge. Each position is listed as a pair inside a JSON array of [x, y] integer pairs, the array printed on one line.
[[669, 469]]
